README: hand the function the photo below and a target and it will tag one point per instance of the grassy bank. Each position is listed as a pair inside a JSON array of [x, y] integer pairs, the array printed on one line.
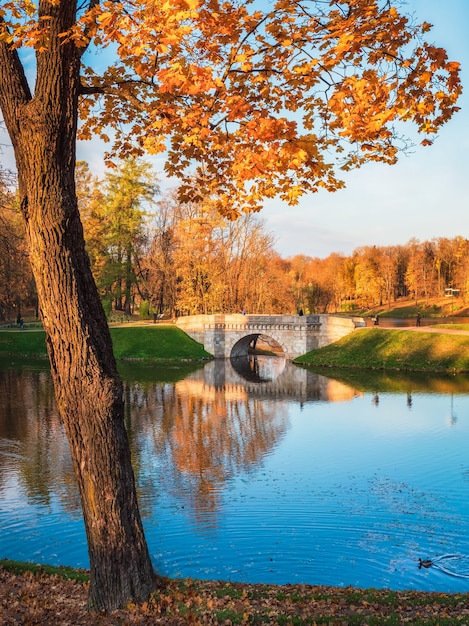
[[135, 342], [375, 348], [44, 595], [371, 348]]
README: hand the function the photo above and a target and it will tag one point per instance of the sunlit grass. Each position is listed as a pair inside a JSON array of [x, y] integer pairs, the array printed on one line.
[[158, 342], [23, 342], [130, 342], [375, 348]]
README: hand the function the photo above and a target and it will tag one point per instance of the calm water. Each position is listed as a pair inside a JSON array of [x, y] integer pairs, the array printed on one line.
[[263, 473]]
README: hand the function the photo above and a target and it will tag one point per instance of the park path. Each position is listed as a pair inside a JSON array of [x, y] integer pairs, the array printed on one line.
[[427, 329]]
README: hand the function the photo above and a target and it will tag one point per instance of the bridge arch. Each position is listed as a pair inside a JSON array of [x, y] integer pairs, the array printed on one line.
[[256, 341], [296, 334], [258, 368]]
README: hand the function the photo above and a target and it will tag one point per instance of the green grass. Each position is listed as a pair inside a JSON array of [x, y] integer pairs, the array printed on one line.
[[67, 573], [23, 342], [375, 348], [371, 348], [150, 343], [158, 342], [454, 326]]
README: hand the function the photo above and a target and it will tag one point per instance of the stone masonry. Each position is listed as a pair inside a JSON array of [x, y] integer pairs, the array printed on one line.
[[226, 336]]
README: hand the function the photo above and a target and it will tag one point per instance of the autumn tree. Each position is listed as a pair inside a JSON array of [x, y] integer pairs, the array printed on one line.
[[447, 254], [326, 288], [461, 275], [202, 262], [420, 265], [196, 257], [333, 275], [16, 282], [159, 263], [127, 193], [114, 212], [303, 283], [90, 198], [249, 103]]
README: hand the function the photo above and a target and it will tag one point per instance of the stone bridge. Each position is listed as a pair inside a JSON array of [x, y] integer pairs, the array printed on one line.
[[226, 336]]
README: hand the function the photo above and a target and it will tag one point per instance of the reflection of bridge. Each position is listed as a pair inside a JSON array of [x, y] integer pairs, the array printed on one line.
[[227, 336], [293, 383]]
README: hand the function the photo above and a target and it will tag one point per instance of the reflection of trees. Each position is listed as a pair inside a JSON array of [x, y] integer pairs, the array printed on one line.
[[213, 439], [33, 440], [203, 436], [386, 381], [190, 437]]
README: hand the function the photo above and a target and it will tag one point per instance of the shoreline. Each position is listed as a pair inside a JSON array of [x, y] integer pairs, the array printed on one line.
[[36, 597]]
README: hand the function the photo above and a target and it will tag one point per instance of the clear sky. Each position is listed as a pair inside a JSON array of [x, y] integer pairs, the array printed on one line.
[[426, 195]]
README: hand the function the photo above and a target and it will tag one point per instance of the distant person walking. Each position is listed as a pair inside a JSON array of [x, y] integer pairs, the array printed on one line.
[[376, 320], [418, 320]]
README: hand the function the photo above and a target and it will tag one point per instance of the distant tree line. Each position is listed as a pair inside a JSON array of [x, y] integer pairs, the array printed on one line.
[[154, 255]]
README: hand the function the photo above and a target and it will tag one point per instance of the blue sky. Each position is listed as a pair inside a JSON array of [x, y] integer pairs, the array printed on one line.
[[424, 196]]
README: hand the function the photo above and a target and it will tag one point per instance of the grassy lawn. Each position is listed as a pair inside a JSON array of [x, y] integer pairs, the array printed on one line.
[[155, 342], [455, 326], [374, 348], [130, 342], [23, 342]]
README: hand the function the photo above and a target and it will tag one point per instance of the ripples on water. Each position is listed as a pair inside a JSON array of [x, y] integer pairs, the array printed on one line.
[[292, 477]]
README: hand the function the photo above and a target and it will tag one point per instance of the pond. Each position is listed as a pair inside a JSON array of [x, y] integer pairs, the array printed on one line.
[[258, 471]]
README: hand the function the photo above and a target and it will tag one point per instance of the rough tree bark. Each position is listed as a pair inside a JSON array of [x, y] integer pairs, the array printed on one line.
[[42, 128]]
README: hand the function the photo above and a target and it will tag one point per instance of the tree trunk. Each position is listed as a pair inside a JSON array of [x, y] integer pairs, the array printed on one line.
[[89, 396], [88, 389], [128, 282]]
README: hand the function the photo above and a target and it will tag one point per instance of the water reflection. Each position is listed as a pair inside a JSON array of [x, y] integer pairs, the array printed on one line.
[[33, 446], [203, 434], [237, 471], [257, 369], [200, 431], [217, 423]]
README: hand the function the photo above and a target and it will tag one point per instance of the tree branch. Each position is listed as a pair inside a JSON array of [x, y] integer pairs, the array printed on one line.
[[14, 88]]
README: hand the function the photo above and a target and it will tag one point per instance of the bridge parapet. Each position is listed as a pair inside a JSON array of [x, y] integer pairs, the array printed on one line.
[[230, 335]]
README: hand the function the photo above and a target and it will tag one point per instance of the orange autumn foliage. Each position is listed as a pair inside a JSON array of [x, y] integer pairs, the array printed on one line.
[[246, 102]]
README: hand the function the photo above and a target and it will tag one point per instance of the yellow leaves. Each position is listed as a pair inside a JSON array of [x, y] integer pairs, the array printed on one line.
[[18, 9], [162, 48], [293, 193], [191, 5], [105, 18], [425, 78]]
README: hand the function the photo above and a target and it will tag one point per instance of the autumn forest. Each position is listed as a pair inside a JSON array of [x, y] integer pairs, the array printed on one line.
[[154, 255]]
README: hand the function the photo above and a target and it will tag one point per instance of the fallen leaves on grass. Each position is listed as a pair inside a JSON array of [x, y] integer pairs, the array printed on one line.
[[32, 599]]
